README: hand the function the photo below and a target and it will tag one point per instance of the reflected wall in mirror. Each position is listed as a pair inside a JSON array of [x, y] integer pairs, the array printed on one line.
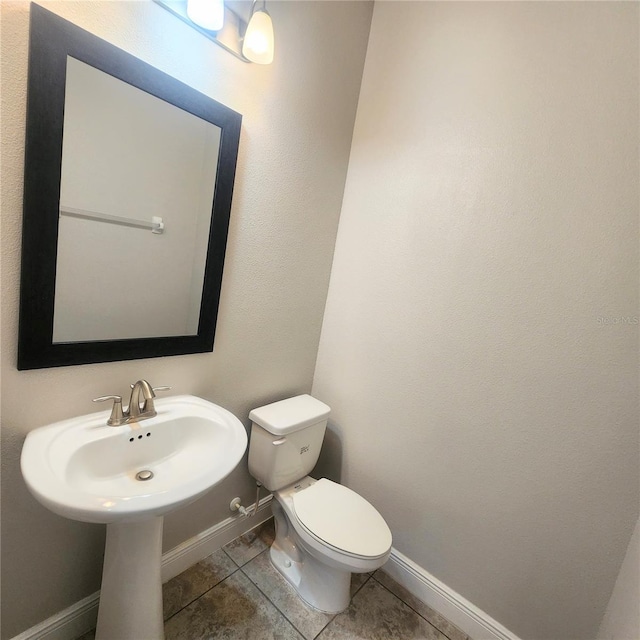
[[138, 170], [128, 183]]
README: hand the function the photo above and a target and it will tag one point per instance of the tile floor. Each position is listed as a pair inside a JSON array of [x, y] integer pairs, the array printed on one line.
[[235, 593]]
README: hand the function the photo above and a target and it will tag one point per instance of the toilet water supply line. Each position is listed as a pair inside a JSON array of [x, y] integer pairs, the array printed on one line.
[[236, 504]]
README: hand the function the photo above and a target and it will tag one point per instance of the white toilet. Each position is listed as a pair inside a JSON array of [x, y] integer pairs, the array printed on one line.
[[324, 531]]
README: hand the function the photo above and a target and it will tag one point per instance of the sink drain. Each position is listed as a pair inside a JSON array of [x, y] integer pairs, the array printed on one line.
[[144, 475]]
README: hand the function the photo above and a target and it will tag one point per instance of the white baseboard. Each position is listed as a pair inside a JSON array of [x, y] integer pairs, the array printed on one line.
[[81, 616], [203, 544], [427, 588], [68, 624]]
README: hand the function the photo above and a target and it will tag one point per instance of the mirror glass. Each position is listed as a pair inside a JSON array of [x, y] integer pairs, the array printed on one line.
[[129, 158], [127, 197]]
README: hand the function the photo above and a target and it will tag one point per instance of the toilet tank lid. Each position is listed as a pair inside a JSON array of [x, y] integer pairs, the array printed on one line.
[[287, 416]]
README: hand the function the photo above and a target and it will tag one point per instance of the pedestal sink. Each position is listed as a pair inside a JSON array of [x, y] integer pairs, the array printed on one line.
[[128, 477]]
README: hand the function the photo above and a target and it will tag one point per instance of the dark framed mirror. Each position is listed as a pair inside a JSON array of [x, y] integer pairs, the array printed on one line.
[[127, 195]]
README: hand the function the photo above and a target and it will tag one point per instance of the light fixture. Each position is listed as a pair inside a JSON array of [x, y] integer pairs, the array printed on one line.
[[258, 43], [252, 42], [208, 14]]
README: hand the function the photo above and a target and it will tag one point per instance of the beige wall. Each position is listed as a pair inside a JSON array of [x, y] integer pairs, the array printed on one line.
[[298, 119], [490, 219], [622, 617]]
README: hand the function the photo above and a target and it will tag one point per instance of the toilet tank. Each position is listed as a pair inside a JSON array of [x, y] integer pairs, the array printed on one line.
[[286, 438]]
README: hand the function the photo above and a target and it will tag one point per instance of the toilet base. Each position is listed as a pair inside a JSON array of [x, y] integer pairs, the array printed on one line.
[[319, 573], [322, 587]]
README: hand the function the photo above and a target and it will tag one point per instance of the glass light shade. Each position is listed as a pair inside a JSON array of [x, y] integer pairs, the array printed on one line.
[[258, 39], [208, 14]]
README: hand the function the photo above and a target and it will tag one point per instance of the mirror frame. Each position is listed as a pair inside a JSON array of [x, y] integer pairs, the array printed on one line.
[[51, 40]]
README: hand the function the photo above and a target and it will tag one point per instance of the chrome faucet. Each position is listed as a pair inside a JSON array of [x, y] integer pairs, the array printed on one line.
[[148, 410], [134, 412]]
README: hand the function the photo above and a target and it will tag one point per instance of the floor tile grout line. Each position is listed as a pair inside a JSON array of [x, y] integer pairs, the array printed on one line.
[[230, 558], [278, 609], [251, 581], [239, 568], [412, 609], [337, 614], [369, 576], [182, 608], [333, 616], [245, 562], [250, 559], [200, 596]]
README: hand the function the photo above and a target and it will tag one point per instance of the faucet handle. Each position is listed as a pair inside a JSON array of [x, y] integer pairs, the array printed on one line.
[[117, 417], [154, 388], [148, 403]]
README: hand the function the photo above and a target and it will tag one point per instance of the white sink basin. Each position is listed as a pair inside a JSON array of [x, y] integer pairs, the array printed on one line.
[[85, 470]]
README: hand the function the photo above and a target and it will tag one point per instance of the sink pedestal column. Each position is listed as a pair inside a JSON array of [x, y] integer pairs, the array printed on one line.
[[131, 594]]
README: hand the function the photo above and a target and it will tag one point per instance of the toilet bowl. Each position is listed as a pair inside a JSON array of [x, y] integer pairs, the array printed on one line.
[[324, 530], [324, 533]]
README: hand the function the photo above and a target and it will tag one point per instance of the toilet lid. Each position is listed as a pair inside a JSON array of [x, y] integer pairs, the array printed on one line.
[[342, 519]]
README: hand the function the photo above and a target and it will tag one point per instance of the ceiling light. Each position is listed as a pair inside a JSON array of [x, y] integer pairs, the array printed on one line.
[[208, 14], [258, 43]]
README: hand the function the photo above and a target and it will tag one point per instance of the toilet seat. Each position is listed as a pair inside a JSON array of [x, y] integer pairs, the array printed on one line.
[[337, 516]]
